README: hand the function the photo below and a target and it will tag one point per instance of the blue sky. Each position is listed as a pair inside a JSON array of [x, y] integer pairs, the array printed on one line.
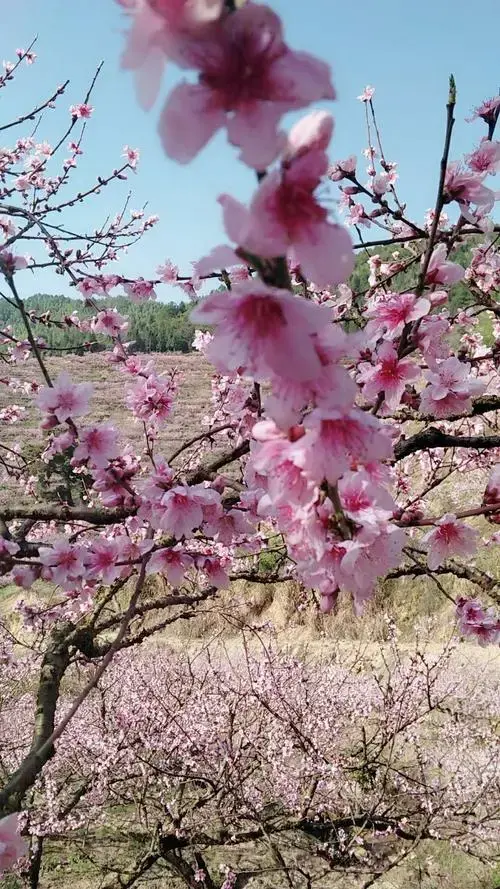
[[406, 50]]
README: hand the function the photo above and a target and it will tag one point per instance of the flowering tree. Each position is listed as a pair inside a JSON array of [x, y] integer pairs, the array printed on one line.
[[338, 414], [215, 769]]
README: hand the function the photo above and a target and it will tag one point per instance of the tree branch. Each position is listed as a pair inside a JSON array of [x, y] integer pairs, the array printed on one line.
[[45, 735], [56, 513], [96, 516], [484, 405], [450, 120], [54, 666], [435, 438], [464, 572]]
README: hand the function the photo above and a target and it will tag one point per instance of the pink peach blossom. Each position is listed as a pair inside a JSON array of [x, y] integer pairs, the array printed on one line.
[[431, 337], [476, 622], [81, 111], [440, 270], [487, 110], [277, 458], [65, 400], [486, 158], [370, 555], [285, 216], [258, 328], [389, 375], [158, 482], [450, 389], [179, 512], [98, 444], [392, 311], [214, 570], [449, 538], [310, 134], [340, 168], [357, 216], [109, 322], [168, 272], [10, 262], [140, 290], [59, 444], [367, 94], [151, 399], [467, 188], [232, 524], [64, 560], [90, 286], [172, 562], [248, 79], [132, 156], [363, 501], [113, 483], [334, 439], [159, 31], [101, 561], [380, 183], [333, 386]]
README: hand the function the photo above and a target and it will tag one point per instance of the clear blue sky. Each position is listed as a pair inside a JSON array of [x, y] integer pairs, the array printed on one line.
[[406, 50]]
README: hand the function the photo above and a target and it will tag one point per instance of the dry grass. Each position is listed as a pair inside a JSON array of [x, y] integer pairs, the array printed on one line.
[[432, 866], [110, 384], [109, 388]]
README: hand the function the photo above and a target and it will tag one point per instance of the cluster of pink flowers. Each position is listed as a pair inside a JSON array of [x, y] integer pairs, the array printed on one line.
[[12, 413], [476, 621], [484, 269], [182, 510], [450, 388], [299, 473], [289, 723], [77, 569], [151, 399]]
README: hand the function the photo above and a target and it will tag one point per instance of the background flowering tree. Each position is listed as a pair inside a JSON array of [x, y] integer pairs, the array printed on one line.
[[217, 769], [338, 416]]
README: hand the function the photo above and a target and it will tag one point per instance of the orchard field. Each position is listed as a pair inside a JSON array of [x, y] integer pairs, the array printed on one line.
[[192, 406]]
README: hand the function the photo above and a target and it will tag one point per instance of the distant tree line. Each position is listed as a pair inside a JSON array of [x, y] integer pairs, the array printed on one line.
[[165, 327], [153, 326]]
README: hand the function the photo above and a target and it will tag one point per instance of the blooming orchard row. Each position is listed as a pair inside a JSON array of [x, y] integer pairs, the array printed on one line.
[[336, 413], [342, 768]]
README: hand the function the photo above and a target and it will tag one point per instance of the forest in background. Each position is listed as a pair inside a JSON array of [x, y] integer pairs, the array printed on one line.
[[165, 327]]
